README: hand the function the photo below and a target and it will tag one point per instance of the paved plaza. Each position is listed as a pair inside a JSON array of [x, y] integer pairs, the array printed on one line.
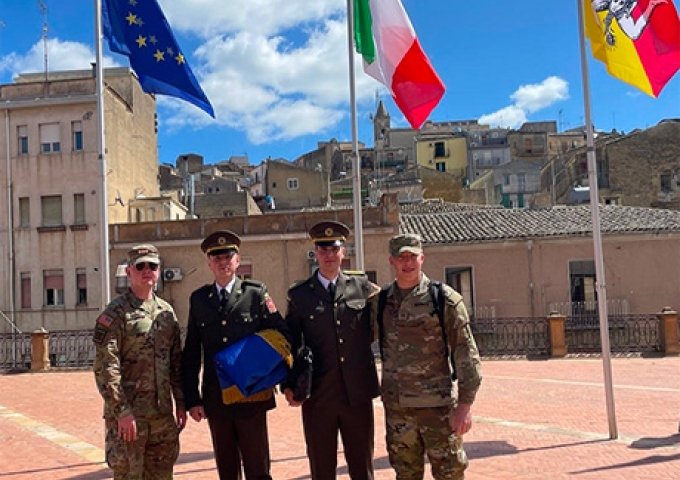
[[542, 420]]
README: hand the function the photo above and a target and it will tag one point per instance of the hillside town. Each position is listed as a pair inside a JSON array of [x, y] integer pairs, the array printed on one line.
[[485, 200]]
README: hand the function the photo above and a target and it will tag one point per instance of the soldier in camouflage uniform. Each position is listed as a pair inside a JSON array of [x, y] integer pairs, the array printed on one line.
[[137, 370], [421, 414]]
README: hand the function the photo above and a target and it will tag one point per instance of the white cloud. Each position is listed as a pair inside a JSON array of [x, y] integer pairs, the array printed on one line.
[[537, 96], [273, 90], [274, 69], [508, 117], [61, 55], [208, 18], [528, 99]]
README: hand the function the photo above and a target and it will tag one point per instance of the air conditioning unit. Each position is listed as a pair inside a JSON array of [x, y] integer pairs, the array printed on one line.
[[173, 274], [310, 255]]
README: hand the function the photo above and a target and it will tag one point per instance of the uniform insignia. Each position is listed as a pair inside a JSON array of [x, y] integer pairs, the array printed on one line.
[[269, 303], [104, 320]]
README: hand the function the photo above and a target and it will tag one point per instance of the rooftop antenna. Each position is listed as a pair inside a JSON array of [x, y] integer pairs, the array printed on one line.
[[559, 123], [43, 12]]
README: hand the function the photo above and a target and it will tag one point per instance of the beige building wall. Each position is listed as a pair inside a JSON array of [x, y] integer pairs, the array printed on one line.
[[523, 278], [68, 247], [274, 246], [296, 187]]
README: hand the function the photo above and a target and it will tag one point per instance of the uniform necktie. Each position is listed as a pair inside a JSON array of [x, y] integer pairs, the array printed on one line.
[[223, 299], [331, 290]]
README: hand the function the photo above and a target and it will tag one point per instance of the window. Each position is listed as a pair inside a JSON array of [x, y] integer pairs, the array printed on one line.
[[293, 184], [372, 276], [53, 281], [22, 135], [77, 135], [25, 290], [582, 284], [439, 149], [50, 139], [528, 145], [460, 279], [521, 182], [244, 271], [440, 166], [611, 201], [24, 212], [51, 210], [666, 182], [79, 209], [506, 179], [81, 286]]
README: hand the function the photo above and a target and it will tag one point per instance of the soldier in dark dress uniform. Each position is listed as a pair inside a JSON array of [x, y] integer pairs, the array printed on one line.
[[220, 314], [328, 312]]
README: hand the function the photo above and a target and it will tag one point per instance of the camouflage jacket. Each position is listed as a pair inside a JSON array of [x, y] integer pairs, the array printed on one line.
[[415, 370], [137, 362]]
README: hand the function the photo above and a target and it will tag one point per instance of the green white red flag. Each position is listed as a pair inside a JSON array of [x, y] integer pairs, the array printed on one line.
[[392, 55]]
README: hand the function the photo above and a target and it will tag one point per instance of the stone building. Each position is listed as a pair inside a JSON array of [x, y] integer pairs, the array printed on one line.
[[641, 168], [50, 258]]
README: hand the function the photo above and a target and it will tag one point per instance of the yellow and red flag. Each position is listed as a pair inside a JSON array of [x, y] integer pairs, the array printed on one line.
[[638, 40]]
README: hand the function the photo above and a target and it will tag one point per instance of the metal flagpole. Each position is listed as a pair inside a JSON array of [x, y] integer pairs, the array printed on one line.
[[103, 212], [356, 164], [600, 284]]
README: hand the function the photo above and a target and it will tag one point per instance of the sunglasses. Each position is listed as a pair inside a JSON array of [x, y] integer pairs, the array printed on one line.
[[142, 265]]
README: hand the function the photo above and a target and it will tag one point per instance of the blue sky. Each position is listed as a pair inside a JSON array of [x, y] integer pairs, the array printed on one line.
[[276, 70]]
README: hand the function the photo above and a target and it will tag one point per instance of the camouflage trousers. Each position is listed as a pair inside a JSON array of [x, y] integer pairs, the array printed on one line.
[[150, 457], [414, 432]]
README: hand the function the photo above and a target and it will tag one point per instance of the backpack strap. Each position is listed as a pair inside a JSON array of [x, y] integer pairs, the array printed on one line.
[[439, 304], [382, 300]]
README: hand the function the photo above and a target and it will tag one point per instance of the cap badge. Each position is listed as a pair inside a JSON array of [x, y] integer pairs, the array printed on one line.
[[221, 240], [328, 232]]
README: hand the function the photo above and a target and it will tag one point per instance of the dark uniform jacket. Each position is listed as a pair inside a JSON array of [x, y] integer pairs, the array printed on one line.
[[340, 337], [210, 329]]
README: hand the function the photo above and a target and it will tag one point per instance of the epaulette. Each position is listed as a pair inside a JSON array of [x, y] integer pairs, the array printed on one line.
[[357, 273], [298, 284], [249, 282]]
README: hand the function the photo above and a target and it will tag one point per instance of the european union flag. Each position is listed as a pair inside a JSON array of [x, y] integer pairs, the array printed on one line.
[[139, 30]]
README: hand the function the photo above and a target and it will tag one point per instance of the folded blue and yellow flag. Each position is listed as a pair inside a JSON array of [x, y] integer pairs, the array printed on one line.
[[249, 368]]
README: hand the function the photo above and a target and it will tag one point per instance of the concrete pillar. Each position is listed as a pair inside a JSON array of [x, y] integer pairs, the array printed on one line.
[[558, 338], [668, 326], [40, 350]]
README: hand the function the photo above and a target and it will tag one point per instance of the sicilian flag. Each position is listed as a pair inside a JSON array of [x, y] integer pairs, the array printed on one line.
[[392, 55], [248, 369], [638, 41]]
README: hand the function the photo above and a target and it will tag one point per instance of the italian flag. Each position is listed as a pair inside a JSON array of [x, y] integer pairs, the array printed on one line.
[[384, 36]]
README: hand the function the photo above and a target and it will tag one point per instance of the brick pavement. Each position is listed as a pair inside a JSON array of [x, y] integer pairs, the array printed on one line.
[[534, 420]]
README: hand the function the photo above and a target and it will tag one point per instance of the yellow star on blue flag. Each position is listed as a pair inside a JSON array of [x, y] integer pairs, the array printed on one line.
[[127, 25]]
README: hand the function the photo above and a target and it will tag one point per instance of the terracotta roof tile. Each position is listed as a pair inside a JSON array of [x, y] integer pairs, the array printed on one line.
[[442, 226]]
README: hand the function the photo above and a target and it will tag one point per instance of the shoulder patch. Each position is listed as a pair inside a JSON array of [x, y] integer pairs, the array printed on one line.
[[104, 320], [269, 303]]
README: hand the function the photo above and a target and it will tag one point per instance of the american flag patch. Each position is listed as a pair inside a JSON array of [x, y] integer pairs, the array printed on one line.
[[271, 308], [104, 320]]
